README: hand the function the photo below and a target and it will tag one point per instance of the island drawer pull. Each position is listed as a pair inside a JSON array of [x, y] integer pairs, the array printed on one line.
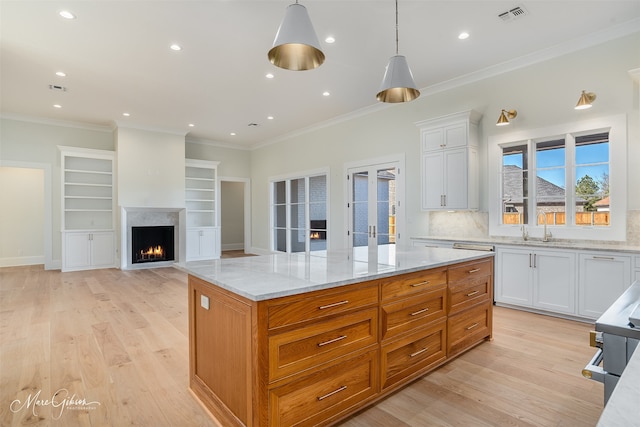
[[344, 387], [475, 270], [472, 326], [609, 258], [470, 294], [415, 313], [340, 338], [419, 352], [335, 304], [426, 282]]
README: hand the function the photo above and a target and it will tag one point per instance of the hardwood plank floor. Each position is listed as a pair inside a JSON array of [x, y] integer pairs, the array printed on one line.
[[119, 341]]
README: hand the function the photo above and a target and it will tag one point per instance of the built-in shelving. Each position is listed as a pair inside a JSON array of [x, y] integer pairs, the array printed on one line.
[[201, 185]]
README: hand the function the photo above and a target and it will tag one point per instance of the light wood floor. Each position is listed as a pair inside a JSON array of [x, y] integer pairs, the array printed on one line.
[[119, 341]]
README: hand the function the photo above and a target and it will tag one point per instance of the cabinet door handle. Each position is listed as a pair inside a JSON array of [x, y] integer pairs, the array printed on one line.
[[530, 258], [335, 304], [415, 285], [374, 231], [535, 260], [470, 294], [369, 231], [472, 326], [475, 270], [344, 387], [340, 338], [415, 313], [419, 352], [608, 258]]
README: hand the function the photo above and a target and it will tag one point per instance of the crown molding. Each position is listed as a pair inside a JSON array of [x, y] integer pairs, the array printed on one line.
[[56, 122]]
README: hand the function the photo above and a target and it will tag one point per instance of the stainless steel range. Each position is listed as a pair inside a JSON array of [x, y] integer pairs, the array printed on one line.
[[617, 335]]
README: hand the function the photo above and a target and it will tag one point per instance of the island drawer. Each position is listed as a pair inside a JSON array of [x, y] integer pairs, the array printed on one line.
[[321, 342], [412, 283], [326, 394], [411, 313], [467, 293], [468, 328], [413, 353], [471, 270], [318, 305]]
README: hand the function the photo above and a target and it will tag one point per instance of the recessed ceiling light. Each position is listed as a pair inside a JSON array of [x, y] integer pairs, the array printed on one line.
[[191, 125], [325, 93], [463, 35], [67, 15], [175, 47], [269, 76], [61, 74], [330, 39], [57, 106], [232, 134], [126, 114], [269, 117]]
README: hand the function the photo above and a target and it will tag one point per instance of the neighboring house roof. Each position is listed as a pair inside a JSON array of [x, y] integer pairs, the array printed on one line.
[[512, 187], [602, 202]]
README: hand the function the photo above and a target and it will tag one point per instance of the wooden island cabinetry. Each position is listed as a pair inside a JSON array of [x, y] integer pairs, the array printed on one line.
[[317, 357]]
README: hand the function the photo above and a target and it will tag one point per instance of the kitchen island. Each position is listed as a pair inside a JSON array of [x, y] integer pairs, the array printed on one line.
[[308, 339]]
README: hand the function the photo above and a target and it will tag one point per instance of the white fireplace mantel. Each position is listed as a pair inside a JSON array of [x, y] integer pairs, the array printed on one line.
[[133, 216]]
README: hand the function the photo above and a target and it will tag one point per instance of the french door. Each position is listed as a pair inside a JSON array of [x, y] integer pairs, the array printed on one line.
[[373, 207]]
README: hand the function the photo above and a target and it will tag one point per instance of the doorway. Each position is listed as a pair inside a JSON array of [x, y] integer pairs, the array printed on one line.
[[374, 194], [235, 216]]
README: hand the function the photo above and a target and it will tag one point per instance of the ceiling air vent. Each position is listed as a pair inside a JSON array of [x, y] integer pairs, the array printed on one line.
[[511, 14], [58, 88]]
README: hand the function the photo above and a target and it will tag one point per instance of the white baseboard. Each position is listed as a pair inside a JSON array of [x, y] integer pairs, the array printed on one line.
[[232, 246], [18, 261]]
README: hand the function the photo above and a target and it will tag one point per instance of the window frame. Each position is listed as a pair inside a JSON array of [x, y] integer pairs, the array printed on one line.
[[617, 128], [306, 176]]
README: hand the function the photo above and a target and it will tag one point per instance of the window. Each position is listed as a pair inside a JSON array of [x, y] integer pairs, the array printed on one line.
[[565, 182], [299, 214]]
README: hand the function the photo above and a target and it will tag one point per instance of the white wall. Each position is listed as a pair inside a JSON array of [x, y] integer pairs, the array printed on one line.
[[22, 222], [150, 168], [544, 94], [232, 215]]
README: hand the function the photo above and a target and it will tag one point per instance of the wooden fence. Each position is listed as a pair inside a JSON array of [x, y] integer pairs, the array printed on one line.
[[560, 218]]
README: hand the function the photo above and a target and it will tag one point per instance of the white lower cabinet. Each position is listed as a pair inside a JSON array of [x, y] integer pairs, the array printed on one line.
[[202, 243], [603, 278], [542, 279], [88, 249]]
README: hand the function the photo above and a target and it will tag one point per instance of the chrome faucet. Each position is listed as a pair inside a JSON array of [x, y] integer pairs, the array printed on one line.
[[546, 236], [525, 235]]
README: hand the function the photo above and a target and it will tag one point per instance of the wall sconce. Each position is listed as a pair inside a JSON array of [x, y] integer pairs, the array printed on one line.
[[586, 98], [505, 115]]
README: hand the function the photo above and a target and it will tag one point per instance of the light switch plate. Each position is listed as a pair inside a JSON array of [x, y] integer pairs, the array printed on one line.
[[204, 302]]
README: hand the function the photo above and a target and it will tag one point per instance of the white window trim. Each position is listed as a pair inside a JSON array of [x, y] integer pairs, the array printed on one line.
[[293, 176], [617, 127]]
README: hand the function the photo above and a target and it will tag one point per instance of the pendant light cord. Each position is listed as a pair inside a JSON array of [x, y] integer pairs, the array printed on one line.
[[396, 27]]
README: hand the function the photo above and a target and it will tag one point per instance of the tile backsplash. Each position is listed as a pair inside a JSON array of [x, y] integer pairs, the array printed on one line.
[[476, 225]]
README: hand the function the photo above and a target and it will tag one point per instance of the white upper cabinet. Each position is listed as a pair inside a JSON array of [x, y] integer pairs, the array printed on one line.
[[449, 162]]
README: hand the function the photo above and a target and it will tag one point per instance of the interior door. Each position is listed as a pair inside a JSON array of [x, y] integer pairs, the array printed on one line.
[[373, 205]]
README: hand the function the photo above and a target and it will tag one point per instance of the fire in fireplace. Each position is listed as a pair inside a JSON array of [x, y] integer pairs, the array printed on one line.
[[318, 229], [152, 244]]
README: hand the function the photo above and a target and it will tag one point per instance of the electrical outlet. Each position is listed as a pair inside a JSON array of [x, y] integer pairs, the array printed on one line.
[[204, 302]]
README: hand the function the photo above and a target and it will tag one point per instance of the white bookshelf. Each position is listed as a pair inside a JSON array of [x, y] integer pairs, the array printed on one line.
[[88, 208], [201, 200]]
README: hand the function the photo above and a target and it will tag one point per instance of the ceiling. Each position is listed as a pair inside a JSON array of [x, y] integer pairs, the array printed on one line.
[[117, 59]]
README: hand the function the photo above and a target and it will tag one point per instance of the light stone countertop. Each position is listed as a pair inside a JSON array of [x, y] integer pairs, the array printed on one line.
[[531, 242], [265, 277], [622, 409]]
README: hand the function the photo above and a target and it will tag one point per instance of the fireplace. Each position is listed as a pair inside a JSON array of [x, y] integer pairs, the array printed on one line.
[[152, 244], [318, 229]]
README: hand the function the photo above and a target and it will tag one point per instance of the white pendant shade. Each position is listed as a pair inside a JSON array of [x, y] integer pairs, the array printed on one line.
[[397, 84], [296, 46]]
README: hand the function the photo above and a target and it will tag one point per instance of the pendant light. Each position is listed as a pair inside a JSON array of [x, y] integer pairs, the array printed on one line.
[[397, 84], [296, 45]]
